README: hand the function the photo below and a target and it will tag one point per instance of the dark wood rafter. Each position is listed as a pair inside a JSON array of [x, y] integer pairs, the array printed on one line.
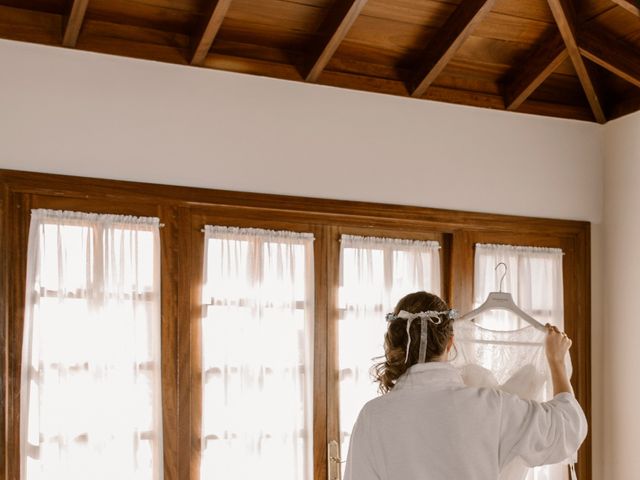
[[542, 63], [612, 54], [629, 6], [209, 30], [448, 41], [332, 31], [565, 17], [481, 53], [74, 22]]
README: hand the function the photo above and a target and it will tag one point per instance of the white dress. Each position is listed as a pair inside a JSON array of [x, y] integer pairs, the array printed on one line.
[[432, 426], [512, 361]]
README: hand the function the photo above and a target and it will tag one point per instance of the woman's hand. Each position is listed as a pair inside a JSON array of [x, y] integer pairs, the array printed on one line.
[[557, 345]]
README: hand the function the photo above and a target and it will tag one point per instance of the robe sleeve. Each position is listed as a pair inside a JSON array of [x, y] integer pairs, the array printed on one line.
[[361, 461], [540, 433]]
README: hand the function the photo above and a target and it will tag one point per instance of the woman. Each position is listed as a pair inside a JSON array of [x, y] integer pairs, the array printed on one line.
[[429, 426]]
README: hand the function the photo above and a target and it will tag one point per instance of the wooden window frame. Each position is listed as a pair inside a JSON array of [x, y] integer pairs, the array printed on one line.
[[183, 212]]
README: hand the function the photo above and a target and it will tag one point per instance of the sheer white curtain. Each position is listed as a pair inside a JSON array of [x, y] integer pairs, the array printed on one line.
[[257, 360], [90, 392], [534, 278], [375, 274]]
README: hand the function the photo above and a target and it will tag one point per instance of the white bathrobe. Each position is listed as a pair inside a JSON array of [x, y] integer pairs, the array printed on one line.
[[432, 427]]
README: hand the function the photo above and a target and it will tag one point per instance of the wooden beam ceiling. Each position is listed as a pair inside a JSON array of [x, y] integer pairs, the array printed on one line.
[[542, 63], [448, 41], [209, 30], [564, 15], [332, 32], [607, 51], [473, 52], [629, 6], [74, 22]]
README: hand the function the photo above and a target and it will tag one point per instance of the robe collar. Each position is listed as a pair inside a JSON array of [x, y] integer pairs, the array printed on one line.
[[434, 374]]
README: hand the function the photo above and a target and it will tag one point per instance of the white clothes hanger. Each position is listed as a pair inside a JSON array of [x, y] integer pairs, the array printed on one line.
[[502, 301]]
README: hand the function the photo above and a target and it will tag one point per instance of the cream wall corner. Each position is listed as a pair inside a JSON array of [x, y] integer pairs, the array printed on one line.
[[621, 328]]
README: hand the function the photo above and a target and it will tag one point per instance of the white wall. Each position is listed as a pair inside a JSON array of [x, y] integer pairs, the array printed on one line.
[[80, 113], [622, 279]]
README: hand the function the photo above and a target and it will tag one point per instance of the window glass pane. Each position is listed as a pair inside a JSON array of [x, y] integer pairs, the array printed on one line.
[[257, 338], [534, 278], [375, 273], [91, 365]]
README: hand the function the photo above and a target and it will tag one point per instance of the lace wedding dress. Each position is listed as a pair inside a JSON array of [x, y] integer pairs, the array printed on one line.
[[512, 361]]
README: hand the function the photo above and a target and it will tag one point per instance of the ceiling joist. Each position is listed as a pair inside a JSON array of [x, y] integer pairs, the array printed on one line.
[[209, 31], [564, 15], [629, 6], [332, 32], [607, 51], [448, 41], [74, 22], [542, 63]]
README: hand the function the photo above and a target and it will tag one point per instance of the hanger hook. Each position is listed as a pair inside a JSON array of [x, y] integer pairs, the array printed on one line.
[[503, 275]]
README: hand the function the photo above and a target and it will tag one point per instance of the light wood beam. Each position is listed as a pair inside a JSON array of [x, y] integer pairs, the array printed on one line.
[[565, 17], [448, 41], [332, 32], [540, 65], [209, 31], [629, 6], [74, 22], [615, 55]]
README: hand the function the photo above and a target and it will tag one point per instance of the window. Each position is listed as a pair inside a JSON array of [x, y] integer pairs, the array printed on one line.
[[91, 373], [375, 273], [534, 278], [257, 347], [104, 290]]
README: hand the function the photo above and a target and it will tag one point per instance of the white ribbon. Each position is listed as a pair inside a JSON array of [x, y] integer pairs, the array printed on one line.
[[428, 316]]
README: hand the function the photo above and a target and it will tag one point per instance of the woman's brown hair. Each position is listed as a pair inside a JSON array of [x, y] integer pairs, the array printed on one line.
[[386, 373]]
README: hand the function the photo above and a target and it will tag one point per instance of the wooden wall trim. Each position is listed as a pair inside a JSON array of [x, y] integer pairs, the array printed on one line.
[[4, 322], [314, 209]]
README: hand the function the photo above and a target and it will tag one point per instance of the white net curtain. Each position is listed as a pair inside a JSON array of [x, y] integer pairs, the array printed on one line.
[[534, 278], [91, 393], [375, 273], [257, 364], [91, 383]]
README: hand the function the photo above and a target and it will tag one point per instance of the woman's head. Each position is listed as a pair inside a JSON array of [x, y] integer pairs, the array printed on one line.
[[395, 340]]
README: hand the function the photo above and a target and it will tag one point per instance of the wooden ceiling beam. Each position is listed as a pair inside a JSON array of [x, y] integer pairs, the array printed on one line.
[[546, 59], [448, 41], [332, 32], [565, 17], [74, 23], [209, 30], [612, 54], [629, 6]]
